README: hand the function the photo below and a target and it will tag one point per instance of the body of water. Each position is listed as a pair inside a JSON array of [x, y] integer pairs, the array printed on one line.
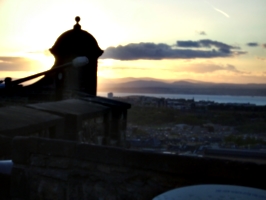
[[257, 100]]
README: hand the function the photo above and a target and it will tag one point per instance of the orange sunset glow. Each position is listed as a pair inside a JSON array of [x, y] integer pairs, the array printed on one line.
[[217, 41]]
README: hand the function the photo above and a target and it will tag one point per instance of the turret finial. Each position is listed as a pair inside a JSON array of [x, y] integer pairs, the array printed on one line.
[[77, 26], [77, 19]]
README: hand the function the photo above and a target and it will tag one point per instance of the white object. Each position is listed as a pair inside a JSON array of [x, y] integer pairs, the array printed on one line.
[[6, 166], [212, 192], [80, 61]]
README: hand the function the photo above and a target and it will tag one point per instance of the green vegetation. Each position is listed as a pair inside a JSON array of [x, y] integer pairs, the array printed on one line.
[[244, 121], [139, 132], [141, 115], [154, 116], [253, 127], [249, 126], [243, 141]]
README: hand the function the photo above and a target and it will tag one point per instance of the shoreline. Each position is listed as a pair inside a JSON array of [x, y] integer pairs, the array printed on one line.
[[257, 100]]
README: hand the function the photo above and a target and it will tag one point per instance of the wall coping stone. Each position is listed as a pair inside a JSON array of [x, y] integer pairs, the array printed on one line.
[[212, 169]]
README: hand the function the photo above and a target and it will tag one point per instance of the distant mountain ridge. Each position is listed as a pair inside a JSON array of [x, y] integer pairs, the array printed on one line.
[[150, 85]]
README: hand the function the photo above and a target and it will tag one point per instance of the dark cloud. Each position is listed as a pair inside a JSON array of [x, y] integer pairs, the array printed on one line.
[[206, 44], [15, 64], [188, 43], [152, 51], [252, 44], [202, 33], [264, 45]]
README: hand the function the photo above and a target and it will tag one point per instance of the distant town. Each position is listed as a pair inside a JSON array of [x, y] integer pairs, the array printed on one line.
[[196, 128]]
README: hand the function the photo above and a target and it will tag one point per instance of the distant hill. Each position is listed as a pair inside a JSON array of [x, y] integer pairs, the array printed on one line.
[[150, 85], [143, 83]]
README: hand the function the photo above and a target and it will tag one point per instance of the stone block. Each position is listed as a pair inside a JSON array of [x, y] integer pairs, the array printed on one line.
[[101, 154], [38, 160], [48, 189], [56, 148], [84, 165], [22, 147], [51, 173], [104, 169], [20, 181], [58, 162], [5, 147]]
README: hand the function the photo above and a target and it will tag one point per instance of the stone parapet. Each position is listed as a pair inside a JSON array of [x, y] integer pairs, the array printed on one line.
[[58, 169]]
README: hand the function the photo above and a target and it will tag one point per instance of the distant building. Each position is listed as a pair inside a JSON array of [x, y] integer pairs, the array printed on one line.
[[110, 95]]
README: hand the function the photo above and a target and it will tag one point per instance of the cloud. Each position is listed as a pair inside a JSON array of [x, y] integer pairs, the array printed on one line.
[[152, 51], [188, 43], [14, 64], [218, 10], [123, 68], [45, 52], [229, 67], [264, 45], [201, 32], [261, 58], [209, 67], [252, 44], [205, 43], [222, 12]]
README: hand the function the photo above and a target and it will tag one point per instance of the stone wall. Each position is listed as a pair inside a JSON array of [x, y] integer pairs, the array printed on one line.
[[23, 121], [58, 169], [5, 147], [92, 120]]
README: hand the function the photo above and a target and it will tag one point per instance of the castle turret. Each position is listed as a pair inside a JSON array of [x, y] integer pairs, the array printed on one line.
[[69, 45]]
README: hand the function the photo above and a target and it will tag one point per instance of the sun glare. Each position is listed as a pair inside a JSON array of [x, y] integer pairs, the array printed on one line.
[[33, 28], [106, 62], [106, 73], [46, 28], [45, 61]]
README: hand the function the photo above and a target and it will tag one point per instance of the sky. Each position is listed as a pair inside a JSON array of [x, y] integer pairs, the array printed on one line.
[[221, 41]]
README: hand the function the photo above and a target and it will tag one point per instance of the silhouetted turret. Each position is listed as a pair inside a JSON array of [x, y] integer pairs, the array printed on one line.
[[70, 74], [69, 45]]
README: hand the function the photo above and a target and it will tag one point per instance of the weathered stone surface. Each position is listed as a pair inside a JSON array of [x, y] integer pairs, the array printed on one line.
[[51, 148], [57, 162], [20, 188], [22, 147], [48, 189], [100, 153], [74, 113], [96, 172], [85, 165], [5, 147], [25, 121], [38, 160], [51, 173], [74, 107]]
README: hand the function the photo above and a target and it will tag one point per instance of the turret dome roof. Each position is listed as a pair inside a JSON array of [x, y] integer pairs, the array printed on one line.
[[76, 42]]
